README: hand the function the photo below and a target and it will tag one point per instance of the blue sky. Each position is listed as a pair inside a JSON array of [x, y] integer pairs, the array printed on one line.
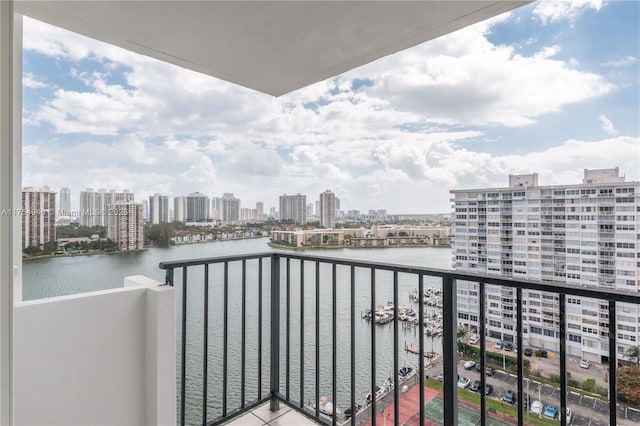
[[552, 87]]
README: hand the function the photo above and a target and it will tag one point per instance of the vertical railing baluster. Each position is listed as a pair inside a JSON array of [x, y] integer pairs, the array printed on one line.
[[183, 347], [301, 333], [613, 365], [421, 347], [396, 367], [225, 337], [205, 345], [317, 384], [288, 332], [563, 360], [243, 339], [260, 328], [373, 347], [483, 348], [334, 344], [520, 360], [353, 346], [449, 351], [168, 278], [274, 372]]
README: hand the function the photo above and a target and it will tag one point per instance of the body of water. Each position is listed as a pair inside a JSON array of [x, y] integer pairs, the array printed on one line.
[[62, 276]]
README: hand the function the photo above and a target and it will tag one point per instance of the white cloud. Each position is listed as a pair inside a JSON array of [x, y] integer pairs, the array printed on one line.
[[30, 81], [400, 142], [463, 78], [607, 125], [554, 10], [627, 60]]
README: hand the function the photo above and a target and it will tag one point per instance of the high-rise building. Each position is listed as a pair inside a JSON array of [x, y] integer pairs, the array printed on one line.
[[38, 216], [158, 208], [197, 208], [93, 205], [337, 206], [230, 208], [328, 209], [179, 208], [581, 234], [125, 224], [309, 209], [293, 208], [260, 210], [65, 202], [248, 215], [216, 205]]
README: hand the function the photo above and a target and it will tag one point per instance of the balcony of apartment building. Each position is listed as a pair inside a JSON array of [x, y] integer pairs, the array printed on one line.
[[110, 357]]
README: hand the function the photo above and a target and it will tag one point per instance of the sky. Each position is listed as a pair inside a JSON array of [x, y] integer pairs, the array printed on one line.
[[552, 87]]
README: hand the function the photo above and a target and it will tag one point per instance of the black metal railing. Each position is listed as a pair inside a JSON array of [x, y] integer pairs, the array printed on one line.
[[257, 295]]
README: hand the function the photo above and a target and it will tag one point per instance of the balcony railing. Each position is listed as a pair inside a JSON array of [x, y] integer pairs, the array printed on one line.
[[266, 329]]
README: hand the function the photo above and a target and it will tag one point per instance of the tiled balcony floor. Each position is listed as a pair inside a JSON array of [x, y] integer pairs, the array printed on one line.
[[262, 416]]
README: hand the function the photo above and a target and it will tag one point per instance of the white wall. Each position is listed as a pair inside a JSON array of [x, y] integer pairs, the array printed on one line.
[[100, 358]]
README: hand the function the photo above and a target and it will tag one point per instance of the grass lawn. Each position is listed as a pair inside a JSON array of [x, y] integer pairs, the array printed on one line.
[[492, 404]]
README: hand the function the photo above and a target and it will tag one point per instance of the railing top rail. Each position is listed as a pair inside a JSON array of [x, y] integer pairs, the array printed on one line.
[[173, 264], [574, 290]]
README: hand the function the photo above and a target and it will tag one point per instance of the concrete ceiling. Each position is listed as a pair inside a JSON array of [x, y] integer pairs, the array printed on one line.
[[271, 46]]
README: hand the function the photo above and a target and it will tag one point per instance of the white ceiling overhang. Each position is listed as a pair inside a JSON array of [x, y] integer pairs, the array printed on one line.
[[271, 46]]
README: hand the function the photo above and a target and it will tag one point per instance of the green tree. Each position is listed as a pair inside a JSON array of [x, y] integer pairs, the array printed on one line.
[[32, 250], [159, 234], [50, 247], [629, 385], [634, 352]]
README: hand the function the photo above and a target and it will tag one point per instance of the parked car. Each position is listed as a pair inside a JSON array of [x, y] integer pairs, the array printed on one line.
[[541, 353], [478, 367], [498, 344], [490, 371], [463, 382], [537, 407], [528, 351], [475, 387], [440, 377], [488, 389], [509, 397], [469, 365], [474, 339], [550, 412], [585, 364], [508, 346]]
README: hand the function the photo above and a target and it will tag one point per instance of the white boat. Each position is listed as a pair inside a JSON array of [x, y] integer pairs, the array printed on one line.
[[326, 407]]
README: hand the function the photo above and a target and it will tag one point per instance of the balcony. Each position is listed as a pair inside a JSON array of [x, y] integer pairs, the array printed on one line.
[[287, 330]]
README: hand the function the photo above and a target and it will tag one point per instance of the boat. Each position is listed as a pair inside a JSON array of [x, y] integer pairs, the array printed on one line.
[[326, 407]]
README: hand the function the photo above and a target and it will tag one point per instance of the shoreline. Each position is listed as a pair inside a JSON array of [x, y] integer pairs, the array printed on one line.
[[92, 253], [146, 248], [279, 246]]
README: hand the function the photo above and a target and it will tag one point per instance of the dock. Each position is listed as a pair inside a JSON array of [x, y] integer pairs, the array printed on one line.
[[414, 350]]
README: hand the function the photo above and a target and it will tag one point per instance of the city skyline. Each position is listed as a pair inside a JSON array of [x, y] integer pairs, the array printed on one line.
[[451, 113]]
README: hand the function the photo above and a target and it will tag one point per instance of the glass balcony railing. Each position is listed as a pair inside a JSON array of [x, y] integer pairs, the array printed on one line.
[[331, 339]]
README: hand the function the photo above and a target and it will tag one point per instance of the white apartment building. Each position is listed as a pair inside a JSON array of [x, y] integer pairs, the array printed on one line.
[[126, 225], [230, 206], [327, 209], [158, 208], [197, 208], [293, 208], [38, 216], [583, 234], [93, 205]]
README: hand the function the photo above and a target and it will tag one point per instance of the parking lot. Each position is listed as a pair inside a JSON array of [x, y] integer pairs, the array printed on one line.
[[587, 410]]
